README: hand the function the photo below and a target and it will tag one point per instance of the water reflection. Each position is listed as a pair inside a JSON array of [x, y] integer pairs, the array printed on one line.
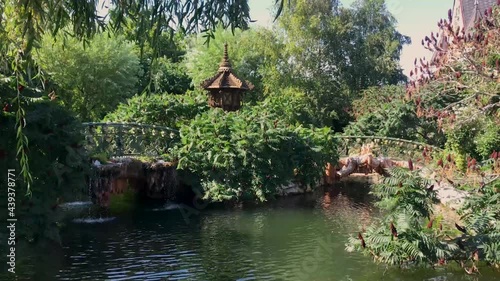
[[351, 208]]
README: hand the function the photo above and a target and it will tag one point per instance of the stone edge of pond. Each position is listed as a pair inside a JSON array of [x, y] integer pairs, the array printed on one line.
[[153, 179], [162, 182]]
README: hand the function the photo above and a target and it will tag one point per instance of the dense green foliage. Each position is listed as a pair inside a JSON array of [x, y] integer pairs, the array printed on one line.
[[94, 79], [332, 53], [161, 64], [384, 111], [168, 77], [488, 138], [250, 154], [162, 110], [291, 105], [481, 214], [59, 165], [406, 235], [475, 138], [411, 234]]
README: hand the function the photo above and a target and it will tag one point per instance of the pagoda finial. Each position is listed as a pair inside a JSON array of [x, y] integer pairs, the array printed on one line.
[[226, 57], [225, 65]]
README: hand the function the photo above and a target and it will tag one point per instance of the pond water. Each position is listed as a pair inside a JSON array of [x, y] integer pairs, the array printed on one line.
[[294, 238]]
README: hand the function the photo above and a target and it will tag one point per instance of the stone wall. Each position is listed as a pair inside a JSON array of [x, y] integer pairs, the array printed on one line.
[[156, 180]]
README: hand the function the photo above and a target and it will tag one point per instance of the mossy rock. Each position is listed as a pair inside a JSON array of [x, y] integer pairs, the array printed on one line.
[[123, 202], [101, 157]]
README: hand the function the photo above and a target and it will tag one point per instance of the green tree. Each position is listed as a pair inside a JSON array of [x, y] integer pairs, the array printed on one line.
[[163, 109], [59, 166], [94, 79], [384, 111], [374, 56], [336, 52], [162, 67], [23, 23], [167, 76], [251, 52]]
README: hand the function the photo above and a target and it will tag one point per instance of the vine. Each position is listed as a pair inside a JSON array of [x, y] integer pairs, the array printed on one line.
[[21, 138]]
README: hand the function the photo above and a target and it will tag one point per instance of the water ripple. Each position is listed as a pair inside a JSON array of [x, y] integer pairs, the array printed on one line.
[[93, 220]]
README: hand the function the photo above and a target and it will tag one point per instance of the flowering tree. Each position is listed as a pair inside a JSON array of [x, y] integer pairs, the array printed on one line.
[[460, 85]]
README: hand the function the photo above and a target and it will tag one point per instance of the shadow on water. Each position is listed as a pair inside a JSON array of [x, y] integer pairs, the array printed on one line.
[[293, 238]]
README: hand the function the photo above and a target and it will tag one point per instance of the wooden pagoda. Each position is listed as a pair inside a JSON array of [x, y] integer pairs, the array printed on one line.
[[225, 89]]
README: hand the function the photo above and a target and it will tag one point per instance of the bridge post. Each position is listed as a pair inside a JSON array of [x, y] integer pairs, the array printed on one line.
[[119, 141], [88, 134]]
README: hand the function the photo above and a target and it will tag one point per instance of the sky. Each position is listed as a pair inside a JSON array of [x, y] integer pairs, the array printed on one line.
[[416, 18]]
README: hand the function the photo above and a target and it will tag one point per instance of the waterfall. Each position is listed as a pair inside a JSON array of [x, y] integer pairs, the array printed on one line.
[[151, 180]]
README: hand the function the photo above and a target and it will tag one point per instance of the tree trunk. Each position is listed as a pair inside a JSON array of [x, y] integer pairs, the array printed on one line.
[[361, 164]]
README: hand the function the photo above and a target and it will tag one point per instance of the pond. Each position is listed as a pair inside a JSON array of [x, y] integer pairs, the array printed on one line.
[[293, 238]]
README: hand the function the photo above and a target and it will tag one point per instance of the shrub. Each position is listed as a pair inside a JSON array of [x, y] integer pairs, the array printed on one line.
[[169, 77], [410, 233], [481, 214], [407, 234], [249, 154], [488, 139], [476, 138], [162, 110], [292, 106]]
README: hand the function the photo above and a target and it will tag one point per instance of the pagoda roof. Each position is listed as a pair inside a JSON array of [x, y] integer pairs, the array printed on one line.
[[225, 77]]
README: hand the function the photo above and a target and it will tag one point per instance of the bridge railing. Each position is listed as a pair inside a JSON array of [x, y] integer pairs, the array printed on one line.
[[128, 139], [384, 146]]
